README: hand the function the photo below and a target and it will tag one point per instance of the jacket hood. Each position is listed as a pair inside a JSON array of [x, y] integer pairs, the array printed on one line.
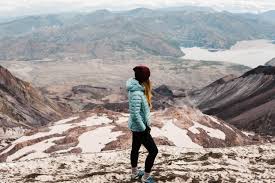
[[133, 85]]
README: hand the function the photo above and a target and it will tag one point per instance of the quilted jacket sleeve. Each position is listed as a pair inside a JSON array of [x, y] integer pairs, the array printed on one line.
[[137, 100]]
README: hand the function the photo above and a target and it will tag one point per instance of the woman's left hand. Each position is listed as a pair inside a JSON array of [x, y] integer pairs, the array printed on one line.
[[148, 129]]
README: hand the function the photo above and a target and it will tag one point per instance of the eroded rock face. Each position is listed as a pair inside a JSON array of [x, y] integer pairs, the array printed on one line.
[[22, 105], [172, 164], [100, 129], [247, 101]]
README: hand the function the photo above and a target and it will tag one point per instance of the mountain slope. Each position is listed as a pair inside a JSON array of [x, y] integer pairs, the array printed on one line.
[[247, 101], [134, 33], [23, 106], [172, 164], [181, 126], [271, 62], [269, 16]]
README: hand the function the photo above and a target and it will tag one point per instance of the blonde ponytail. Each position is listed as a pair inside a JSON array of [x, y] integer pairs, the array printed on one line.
[[148, 92]]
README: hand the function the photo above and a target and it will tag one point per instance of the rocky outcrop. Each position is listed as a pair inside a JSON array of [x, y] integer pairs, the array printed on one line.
[[97, 92], [23, 106], [247, 101], [172, 164], [100, 129], [163, 90], [87, 97]]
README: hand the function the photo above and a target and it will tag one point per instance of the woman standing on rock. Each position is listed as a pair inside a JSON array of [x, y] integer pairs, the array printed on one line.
[[139, 96]]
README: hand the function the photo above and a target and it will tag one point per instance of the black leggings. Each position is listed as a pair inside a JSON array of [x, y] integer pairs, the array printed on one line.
[[146, 139]]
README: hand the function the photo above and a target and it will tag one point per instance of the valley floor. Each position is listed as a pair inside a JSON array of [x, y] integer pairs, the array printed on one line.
[[173, 164]]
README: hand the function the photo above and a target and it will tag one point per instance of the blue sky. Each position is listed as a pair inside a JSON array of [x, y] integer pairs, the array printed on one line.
[[26, 7]]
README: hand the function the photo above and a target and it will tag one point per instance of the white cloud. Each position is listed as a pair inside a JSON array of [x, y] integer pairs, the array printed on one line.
[[22, 7]]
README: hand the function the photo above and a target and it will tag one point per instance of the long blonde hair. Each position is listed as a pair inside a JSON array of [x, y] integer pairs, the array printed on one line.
[[148, 92]]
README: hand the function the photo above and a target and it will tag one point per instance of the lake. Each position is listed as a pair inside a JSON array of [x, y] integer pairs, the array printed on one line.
[[251, 53]]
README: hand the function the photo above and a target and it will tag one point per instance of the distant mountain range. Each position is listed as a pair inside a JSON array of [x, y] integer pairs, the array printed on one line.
[[134, 33], [269, 16]]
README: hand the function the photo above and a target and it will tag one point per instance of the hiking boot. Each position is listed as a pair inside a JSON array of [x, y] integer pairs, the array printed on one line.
[[148, 180], [139, 174]]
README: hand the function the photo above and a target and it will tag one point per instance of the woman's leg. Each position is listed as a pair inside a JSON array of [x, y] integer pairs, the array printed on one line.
[[151, 147], [136, 143]]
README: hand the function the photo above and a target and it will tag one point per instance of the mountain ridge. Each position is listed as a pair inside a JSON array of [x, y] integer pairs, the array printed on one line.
[[271, 62], [246, 101], [23, 105], [105, 34]]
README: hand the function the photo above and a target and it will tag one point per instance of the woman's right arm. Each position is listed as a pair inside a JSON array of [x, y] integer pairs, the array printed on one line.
[[136, 107]]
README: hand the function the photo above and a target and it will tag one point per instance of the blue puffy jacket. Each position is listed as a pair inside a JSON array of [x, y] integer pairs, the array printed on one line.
[[138, 106]]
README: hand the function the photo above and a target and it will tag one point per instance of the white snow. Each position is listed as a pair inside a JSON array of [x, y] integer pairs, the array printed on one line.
[[122, 120], [125, 114], [248, 133], [210, 131], [95, 120], [156, 132], [62, 126], [228, 127], [37, 150], [66, 120], [213, 119], [54, 129], [45, 178], [59, 127], [15, 132], [175, 134], [95, 140]]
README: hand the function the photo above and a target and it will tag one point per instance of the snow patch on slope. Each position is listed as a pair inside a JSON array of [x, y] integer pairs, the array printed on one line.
[[229, 127], [62, 126], [213, 119], [59, 128], [95, 120], [175, 134], [95, 140], [248, 133], [210, 131], [34, 151], [66, 120], [122, 120]]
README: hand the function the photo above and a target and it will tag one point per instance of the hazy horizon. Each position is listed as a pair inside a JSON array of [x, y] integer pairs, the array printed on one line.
[[15, 8]]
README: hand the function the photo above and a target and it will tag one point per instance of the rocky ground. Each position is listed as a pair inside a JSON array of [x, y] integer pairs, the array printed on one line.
[[252, 164]]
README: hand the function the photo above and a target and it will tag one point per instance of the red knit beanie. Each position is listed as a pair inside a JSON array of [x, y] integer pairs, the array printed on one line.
[[142, 73]]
